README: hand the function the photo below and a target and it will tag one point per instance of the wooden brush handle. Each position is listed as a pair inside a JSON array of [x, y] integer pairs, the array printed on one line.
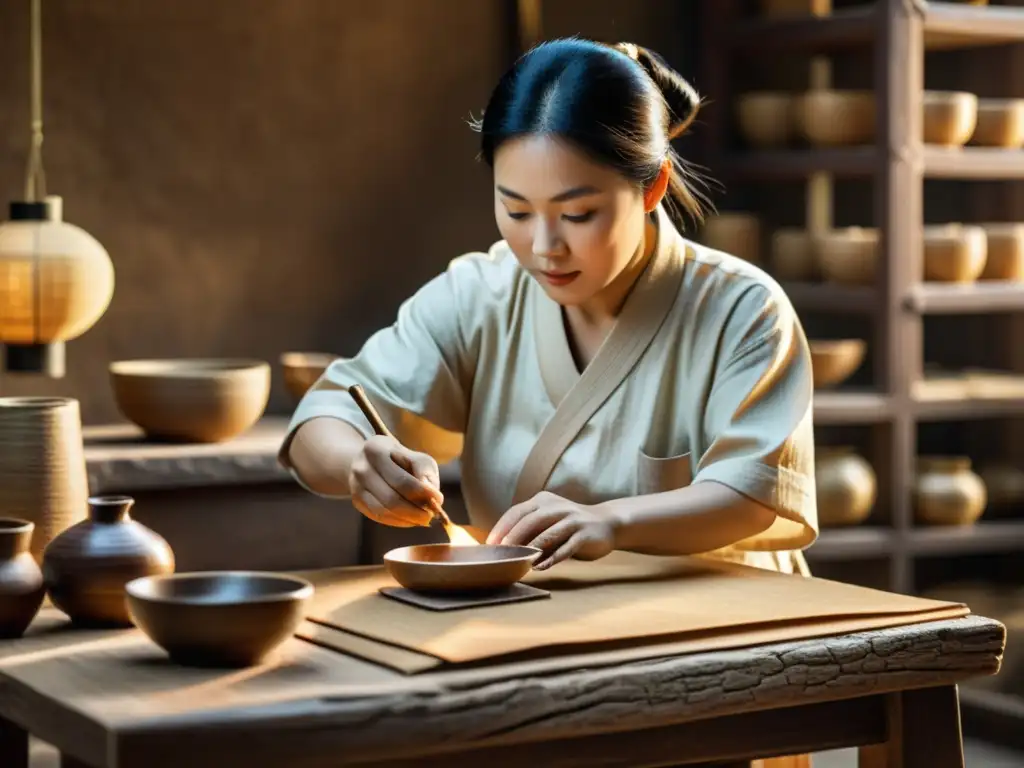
[[380, 428], [369, 411]]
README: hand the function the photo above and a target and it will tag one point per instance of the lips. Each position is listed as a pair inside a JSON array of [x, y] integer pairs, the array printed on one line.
[[559, 278]]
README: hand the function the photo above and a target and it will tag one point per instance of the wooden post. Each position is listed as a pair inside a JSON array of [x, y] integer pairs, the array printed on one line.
[[899, 78]]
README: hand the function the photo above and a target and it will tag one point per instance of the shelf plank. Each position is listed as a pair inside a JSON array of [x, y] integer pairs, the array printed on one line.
[[974, 298], [855, 543], [946, 26], [968, 409], [844, 28], [831, 297], [966, 163], [851, 407], [1001, 536], [768, 165], [986, 297], [973, 163], [956, 25]]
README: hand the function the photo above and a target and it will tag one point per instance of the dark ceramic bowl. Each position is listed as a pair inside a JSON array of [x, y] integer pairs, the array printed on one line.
[[218, 618], [440, 568]]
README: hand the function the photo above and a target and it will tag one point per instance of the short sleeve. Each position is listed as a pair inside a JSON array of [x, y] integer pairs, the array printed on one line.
[[418, 371], [758, 417]]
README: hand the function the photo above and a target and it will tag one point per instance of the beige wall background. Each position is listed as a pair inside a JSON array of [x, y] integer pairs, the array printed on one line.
[[269, 175]]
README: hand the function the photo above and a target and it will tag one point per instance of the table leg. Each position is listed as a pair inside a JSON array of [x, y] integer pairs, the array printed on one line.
[[13, 745], [924, 732]]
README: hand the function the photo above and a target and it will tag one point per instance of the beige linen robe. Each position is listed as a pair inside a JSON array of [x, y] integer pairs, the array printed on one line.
[[705, 376]]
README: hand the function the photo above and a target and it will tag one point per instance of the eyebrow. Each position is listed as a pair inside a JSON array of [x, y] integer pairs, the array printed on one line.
[[561, 197]]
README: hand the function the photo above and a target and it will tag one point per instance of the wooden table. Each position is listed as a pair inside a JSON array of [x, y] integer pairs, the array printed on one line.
[[110, 699]]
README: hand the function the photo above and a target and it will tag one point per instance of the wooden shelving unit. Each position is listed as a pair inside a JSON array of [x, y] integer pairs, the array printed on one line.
[[898, 32]]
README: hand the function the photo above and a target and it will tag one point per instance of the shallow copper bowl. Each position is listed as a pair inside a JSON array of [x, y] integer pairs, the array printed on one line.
[[447, 568], [218, 618]]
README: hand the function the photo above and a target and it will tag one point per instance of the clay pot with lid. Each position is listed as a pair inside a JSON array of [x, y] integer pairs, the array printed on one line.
[[846, 486], [87, 566], [21, 580], [947, 491]]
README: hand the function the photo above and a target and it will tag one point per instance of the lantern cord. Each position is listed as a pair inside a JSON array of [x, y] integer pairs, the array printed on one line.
[[35, 177]]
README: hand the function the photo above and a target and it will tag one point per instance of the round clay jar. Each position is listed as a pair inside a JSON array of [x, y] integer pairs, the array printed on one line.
[[947, 491], [87, 566], [846, 486]]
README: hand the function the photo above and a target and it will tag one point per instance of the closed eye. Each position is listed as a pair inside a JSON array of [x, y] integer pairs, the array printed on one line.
[[582, 218], [517, 216]]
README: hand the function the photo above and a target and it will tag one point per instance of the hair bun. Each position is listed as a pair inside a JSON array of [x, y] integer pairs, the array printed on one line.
[[681, 98]]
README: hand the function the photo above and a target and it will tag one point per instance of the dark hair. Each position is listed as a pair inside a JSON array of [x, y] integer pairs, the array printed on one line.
[[622, 105]]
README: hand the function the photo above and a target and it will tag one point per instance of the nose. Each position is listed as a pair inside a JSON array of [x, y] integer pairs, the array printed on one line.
[[546, 241]]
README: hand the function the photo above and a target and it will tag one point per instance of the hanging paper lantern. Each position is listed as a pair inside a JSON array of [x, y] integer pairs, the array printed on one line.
[[56, 281]]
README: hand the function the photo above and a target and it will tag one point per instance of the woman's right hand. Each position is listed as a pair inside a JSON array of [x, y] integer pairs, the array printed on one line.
[[390, 483]]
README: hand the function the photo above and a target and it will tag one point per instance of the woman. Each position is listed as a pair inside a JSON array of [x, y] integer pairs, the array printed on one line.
[[608, 384]]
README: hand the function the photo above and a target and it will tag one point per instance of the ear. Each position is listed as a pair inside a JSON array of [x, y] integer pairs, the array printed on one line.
[[654, 194]]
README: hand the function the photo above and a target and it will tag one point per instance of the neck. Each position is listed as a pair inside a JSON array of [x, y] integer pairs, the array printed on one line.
[[606, 305]]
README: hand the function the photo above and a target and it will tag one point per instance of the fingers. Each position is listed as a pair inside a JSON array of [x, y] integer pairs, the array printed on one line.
[[533, 525], [509, 520], [412, 475], [395, 505], [370, 507], [564, 552]]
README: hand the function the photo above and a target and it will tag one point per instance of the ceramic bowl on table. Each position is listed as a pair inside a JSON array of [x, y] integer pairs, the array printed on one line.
[[446, 568], [199, 400], [219, 618], [302, 369]]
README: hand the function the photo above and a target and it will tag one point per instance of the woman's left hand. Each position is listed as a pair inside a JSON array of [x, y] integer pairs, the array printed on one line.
[[558, 527]]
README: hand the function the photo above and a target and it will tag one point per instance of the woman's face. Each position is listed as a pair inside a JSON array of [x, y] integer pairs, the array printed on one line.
[[573, 224]]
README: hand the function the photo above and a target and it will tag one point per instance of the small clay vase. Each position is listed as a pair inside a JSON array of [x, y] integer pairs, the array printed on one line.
[[87, 566], [21, 580], [947, 492], [846, 486]]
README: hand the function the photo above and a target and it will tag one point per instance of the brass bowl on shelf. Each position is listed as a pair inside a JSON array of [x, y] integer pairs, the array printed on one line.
[[830, 118], [954, 253], [1000, 123], [1005, 247], [833, 361], [302, 369], [848, 255], [734, 232], [949, 117], [218, 618], [191, 400], [448, 568], [765, 118], [794, 254]]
